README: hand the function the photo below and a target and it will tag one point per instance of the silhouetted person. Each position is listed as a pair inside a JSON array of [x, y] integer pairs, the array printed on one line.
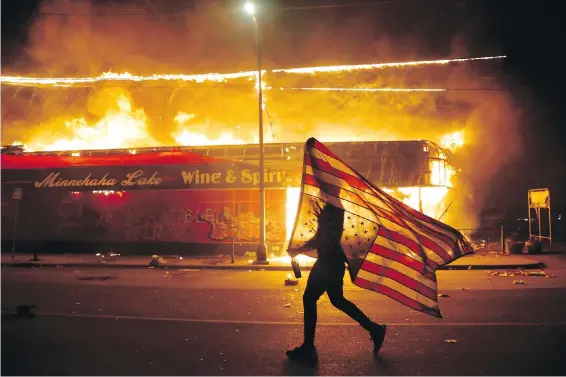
[[327, 276]]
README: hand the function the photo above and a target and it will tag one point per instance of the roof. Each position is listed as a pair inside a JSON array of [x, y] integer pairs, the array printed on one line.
[[24, 161]]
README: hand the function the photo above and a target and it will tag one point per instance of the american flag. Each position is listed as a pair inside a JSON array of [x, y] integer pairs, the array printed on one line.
[[390, 247]]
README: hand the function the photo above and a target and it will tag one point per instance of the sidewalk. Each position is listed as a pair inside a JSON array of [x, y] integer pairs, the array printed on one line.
[[478, 261]]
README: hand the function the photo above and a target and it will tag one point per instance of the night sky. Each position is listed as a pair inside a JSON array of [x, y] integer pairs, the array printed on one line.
[[529, 33]]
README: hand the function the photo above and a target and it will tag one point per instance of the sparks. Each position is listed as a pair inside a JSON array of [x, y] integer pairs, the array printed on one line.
[[219, 77]]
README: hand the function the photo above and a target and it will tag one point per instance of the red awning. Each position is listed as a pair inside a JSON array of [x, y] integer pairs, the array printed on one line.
[[156, 158]]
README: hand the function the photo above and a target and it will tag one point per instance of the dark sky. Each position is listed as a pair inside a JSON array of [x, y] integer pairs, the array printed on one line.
[[529, 33]]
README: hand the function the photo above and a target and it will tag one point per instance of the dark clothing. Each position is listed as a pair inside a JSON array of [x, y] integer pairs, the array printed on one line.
[[327, 275]]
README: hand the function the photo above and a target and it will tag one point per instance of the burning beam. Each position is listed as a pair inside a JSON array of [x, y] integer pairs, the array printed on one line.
[[342, 68], [370, 89], [220, 77]]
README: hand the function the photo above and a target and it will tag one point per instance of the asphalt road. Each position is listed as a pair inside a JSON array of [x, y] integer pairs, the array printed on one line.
[[194, 322]]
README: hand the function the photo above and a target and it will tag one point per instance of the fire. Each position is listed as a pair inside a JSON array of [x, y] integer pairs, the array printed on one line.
[[369, 89], [183, 136], [222, 77], [453, 141], [121, 127]]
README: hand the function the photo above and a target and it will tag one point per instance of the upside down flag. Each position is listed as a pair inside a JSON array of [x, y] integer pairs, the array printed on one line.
[[390, 247]]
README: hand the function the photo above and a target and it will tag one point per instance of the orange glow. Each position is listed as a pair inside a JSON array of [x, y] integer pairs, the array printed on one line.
[[285, 259]]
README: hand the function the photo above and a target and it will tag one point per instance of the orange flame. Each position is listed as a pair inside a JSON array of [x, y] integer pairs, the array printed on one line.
[[222, 77]]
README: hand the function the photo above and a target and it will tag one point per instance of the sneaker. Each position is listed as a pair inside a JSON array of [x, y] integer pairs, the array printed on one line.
[[304, 355], [378, 336]]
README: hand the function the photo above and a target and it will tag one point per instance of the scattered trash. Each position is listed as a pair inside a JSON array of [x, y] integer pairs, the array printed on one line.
[[451, 341], [287, 305], [291, 281], [442, 295], [156, 260], [518, 282], [536, 273]]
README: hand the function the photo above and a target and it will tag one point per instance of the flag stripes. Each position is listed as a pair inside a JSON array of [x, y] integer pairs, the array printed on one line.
[[391, 248]]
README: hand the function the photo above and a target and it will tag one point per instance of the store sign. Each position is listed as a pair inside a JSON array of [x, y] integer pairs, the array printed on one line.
[[234, 177], [226, 176], [135, 178]]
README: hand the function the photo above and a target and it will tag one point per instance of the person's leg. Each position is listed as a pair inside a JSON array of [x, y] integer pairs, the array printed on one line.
[[315, 288], [335, 293], [306, 353]]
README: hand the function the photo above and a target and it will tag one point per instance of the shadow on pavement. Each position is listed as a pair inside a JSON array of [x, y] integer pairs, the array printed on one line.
[[291, 368]]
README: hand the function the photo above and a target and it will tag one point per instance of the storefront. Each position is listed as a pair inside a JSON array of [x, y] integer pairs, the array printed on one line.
[[175, 202]]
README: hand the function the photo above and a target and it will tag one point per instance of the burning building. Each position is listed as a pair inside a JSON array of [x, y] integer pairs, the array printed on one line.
[[190, 200]]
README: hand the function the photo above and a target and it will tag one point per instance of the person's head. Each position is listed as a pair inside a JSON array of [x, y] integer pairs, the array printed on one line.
[[331, 222]]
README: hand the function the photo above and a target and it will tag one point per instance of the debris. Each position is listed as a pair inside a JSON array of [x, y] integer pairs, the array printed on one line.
[[25, 311], [536, 273], [442, 295], [451, 341], [156, 260], [469, 267], [287, 305], [291, 281], [518, 282]]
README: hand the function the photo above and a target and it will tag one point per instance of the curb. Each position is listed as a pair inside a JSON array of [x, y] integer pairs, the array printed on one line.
[[528, 266]]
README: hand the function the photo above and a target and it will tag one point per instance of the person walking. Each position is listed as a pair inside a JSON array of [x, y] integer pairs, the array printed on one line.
[[327, 275]]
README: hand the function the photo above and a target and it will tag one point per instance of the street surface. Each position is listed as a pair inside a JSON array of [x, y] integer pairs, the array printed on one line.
[[99, 321]]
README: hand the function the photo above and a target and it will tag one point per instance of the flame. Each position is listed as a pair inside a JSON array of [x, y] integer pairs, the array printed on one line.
[[453, 141], [222, 77], [183, 136], [121, 127]]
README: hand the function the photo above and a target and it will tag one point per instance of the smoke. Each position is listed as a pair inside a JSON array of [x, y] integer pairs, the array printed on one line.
[[84, 38]]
